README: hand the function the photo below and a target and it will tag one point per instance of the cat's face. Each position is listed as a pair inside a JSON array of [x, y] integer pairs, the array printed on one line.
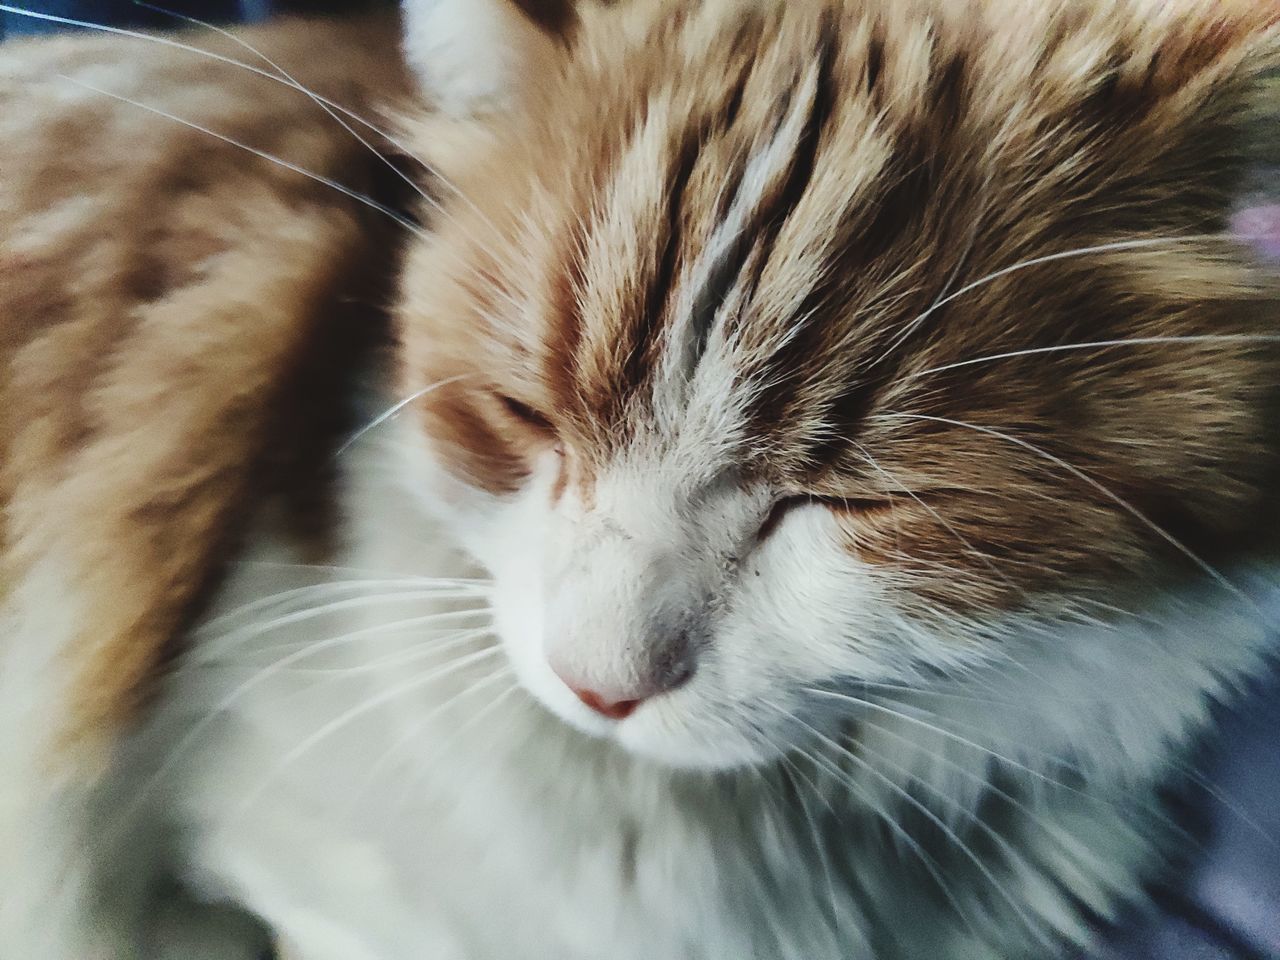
[[773, 347]]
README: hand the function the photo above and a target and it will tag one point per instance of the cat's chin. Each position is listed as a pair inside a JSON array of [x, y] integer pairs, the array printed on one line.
[[667, 740], [708, 757]]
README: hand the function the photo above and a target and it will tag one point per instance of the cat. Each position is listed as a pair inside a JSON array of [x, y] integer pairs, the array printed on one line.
[[817, 481]]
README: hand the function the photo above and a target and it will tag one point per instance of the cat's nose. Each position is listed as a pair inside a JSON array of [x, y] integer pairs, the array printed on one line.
[[620, 701], [609, 707]]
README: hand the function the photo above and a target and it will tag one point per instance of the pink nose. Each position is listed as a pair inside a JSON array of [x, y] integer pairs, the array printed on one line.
[[606, 707]]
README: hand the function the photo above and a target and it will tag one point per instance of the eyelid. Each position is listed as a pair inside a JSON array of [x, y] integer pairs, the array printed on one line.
[[860, 504], [781, 507], [784, 505], [525, 414]]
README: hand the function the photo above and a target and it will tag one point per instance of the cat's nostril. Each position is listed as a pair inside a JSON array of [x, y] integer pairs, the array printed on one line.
[[606, 707]]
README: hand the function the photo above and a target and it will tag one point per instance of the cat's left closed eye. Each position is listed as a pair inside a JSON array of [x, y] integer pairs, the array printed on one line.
[[842, 505]]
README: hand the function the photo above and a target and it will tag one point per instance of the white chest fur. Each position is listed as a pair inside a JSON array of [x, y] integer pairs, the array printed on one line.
[[374, 784]]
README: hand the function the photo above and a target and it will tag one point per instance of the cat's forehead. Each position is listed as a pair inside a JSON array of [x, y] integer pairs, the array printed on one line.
[[757, 205], [753, 198], [696, 257], [737, 228]]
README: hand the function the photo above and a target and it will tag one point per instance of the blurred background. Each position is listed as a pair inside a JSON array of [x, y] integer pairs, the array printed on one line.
[[126, 13]]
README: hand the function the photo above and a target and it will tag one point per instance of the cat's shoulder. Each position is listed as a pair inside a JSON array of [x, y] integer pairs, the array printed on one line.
[[174, 270]]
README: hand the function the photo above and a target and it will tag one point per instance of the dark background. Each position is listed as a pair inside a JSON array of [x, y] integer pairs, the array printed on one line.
[[129, 14]]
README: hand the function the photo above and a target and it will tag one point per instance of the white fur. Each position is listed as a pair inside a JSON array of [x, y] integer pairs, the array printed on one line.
[[491, 829], [43, 809], [78, 866]]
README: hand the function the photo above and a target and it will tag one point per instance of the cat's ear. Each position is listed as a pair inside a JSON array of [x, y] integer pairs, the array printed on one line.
[[475, 56]]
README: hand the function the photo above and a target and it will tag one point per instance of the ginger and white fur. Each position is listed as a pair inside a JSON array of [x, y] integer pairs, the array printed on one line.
[[857, 738]]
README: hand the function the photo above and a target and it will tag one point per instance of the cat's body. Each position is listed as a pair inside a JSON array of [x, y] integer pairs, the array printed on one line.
[[123, 472], [969, 630]]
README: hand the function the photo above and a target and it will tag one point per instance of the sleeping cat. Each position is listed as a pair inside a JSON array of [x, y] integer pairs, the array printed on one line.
[[820, 476]]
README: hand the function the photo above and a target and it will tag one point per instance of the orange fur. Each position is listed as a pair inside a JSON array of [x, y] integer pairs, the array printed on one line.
[[161, 290], [939, 141]]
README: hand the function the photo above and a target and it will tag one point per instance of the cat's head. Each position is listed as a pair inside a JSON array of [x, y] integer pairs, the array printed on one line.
[[769, 347]]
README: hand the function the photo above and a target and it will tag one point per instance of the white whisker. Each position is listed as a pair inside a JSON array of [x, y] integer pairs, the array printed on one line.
[[384, 697], [218, 645], [421, 722], [1112, 247], [293, 82], [272, 158], [393, 411], [934, 819], [410, 588], [1229, 338], [1097, 485], [931, 865], [230, 61]]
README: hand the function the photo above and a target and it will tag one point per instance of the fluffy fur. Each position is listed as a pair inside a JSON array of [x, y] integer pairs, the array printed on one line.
[[165, 296], [868, 395]]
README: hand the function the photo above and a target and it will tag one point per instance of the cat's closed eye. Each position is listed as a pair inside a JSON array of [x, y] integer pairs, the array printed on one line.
[[866, 507], [523, 413]]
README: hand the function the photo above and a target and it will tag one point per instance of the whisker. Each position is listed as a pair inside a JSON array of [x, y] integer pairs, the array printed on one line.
[[415, 730], [1049, 757], [205, 657], [393, 411], [985, 701], [947, 734], [363, 571], [413, 588], [178, 751], [1102, 345], [959, 768], [954, 276], [982, 557], [931, 865], [415, 654], [429, 628], [367, 706], [780, 823], [235, 637], [230, 61], [328, 104], [1115, 246], [272, 158], [293, 82], [934, 819], [1014, 855], [792, 771], [1230, 803], [1102, 488]]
